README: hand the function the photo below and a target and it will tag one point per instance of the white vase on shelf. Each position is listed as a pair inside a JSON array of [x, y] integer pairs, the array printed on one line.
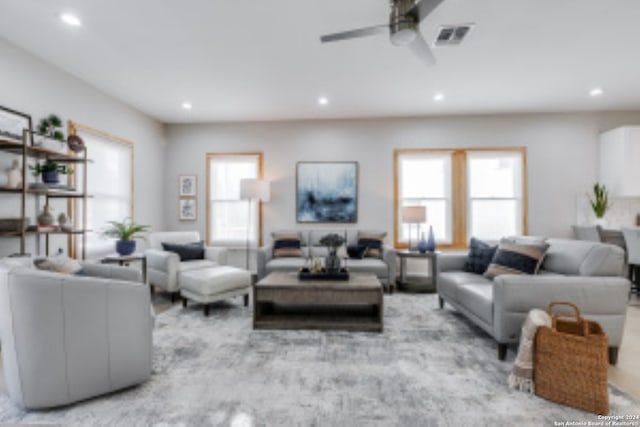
[[14, 175]]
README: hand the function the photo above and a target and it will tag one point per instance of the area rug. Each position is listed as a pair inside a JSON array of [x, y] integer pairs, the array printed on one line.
[[429, 367]]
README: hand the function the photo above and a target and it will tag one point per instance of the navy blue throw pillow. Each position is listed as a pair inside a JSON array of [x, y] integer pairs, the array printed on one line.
[[479, 257], [356, 251], [186, 252], [286, 245]]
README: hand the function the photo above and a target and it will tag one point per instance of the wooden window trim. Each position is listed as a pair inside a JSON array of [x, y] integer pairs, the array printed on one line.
[[72, 205], [458, 191], [208, 186]]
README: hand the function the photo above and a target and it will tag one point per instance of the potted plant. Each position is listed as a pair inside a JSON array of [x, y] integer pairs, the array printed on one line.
[[125, 232], [50, 171], [599, 202], [51, 127]]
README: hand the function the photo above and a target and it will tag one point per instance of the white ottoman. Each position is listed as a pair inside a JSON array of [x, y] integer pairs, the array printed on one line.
[[207, 285]]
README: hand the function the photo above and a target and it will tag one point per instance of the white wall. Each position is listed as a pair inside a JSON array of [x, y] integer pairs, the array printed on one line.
[[32, 86], [561, 150]]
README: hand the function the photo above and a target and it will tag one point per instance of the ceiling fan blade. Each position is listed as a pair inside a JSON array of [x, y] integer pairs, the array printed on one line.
[[421, 49], [360, 32], [423, 8]]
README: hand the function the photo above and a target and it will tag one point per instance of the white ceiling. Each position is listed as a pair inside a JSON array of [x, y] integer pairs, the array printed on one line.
[[262, 60]]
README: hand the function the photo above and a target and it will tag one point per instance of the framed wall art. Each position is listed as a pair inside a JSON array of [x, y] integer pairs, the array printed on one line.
[[187, 185], [187, 210], [327, 192], [12, 123]]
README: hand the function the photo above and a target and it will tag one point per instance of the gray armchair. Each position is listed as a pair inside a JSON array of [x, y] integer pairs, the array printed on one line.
[[67, 338], [164, 268]]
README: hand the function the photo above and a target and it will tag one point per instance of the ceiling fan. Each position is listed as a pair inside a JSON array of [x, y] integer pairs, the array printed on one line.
[[403, 27]]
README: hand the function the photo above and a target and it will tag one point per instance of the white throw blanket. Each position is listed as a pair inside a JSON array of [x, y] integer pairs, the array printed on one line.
[[521, 377]]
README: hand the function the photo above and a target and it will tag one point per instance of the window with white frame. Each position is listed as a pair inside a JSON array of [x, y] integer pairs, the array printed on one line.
[[231, 220], [110, 185], [424, 179], [495, 196]]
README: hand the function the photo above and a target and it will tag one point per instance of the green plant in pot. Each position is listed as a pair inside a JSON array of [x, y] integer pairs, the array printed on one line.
[[51, 127], [50, 171], [125, 231], [600, 201]]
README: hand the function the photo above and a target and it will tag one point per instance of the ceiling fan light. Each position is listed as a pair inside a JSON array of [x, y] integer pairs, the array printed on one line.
[[403, 36]]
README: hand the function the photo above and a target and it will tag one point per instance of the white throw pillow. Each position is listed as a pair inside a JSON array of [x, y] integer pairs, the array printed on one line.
[[58, 264]]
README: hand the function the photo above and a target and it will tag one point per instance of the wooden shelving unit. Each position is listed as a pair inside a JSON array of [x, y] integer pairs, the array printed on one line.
[[40, 153]]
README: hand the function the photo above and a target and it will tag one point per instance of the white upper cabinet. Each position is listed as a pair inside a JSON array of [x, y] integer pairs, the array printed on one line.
[[620, 161]]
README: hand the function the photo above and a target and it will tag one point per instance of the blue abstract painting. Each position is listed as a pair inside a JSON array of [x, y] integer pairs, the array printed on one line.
[[327, 192]]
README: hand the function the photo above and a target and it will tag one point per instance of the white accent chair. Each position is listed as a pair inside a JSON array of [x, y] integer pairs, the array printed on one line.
[[164, 267], [66, 338]]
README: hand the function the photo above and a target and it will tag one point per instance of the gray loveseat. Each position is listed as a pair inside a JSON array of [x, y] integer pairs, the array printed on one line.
[[384, 267], [588, 274]]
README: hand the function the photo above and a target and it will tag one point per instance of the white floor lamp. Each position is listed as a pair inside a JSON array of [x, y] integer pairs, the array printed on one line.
[[253, 189], [414, 215]]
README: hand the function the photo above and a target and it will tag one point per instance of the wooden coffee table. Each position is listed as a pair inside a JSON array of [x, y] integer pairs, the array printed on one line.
[[282, 301]]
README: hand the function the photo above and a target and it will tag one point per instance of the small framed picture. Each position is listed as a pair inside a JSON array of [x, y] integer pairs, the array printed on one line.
[[187, 186], [188, 211], [12, 123]]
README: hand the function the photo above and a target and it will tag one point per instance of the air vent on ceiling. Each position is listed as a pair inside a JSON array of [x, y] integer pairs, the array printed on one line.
[[452, 34]]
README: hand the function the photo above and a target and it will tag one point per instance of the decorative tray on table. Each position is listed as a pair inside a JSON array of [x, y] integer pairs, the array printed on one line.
[[306, 274]]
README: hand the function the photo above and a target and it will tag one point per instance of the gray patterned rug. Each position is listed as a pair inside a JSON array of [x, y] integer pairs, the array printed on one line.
[[430, 367]]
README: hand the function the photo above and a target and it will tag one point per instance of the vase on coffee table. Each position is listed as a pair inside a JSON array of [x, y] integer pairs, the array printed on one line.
[[332, 262]]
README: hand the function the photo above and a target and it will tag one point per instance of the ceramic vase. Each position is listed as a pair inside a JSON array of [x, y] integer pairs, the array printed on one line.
[[602, 222], [45, 217], [14, 175], [431, 241], [422, 244], [332, 262]]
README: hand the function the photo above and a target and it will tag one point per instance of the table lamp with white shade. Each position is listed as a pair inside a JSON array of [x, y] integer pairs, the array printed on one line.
[[414, 215], [253, 189]]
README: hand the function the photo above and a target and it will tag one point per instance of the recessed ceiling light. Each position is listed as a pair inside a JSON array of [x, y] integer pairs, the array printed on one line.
[[323, 100], [596, 91], [70, 19], [187, 105], [438, 97]]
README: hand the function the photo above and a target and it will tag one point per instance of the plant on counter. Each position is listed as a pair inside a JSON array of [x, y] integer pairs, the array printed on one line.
[[125, 231], [600, 201], [51, 126]]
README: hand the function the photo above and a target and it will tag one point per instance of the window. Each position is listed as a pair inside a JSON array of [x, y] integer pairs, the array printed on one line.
[[424, 179], [467, 192], [230, 220], [494, 193], [110, 185]]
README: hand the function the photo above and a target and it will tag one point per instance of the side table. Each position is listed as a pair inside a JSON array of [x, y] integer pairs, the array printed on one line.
[[126, 260], [411, 284]]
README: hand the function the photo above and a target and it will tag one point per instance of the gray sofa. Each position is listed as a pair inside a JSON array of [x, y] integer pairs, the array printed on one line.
[[384, 267], [588, 274], [67, 338]]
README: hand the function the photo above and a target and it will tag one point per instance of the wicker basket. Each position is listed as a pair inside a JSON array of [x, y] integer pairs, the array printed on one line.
[[571, 362]]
